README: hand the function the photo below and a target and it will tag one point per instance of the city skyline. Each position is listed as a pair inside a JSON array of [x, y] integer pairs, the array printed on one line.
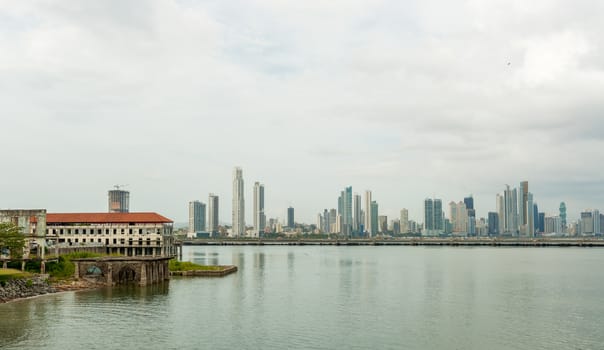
[[393, 97]]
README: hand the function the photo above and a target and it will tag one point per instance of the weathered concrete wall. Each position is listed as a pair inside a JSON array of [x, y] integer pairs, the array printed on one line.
[[25, 287], [123, 270]]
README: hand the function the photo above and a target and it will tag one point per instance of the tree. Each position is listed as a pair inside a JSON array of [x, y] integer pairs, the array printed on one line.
[[11, 239]]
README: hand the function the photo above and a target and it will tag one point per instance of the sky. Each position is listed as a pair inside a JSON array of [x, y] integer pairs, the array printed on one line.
[[408, 99]]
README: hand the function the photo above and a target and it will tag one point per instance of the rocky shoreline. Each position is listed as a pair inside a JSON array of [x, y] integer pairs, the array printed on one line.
[[37, 285]]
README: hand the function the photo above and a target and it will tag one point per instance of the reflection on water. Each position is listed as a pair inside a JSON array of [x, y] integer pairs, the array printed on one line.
[[335, 298]]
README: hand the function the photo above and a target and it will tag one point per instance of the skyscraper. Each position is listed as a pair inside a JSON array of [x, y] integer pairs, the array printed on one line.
[[197, 217], [259, 217], [469, 202], [368, 228], [433, 217], [290, 218], [500, 205], [119, 200], [404, 221], [357, 217], [238, 203], [374, 218], [523, 204], [213, 214], [563, 214], [493, 224], [510, 224], [347, 211], [530, 215]]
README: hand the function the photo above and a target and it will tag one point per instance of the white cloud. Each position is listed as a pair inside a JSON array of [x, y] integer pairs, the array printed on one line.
[[408, 99]]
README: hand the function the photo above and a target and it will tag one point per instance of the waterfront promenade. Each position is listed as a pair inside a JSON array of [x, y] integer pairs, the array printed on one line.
[[412, 241]]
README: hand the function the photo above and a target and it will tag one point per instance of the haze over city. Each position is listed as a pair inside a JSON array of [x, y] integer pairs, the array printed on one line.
[[406, 99]]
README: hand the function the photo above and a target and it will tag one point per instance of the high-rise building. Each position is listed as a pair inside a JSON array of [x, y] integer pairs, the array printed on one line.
[[368, 228], [197, 217], [374, 218], [290, 218], [500, 204], [404, 220], [530, 216], [119, 200], [563, 214], [587, 222], [541, 227], [523, 208], [458, 217], [469, 202], [238, 203], [259, 217], [213, 214], [333, 218], [493, 224], [345, 209], [433, 217], [326, 228], [510, 218], [357, 217], [383, 223]]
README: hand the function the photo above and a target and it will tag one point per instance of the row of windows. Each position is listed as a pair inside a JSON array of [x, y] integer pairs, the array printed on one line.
[[99, 231], [99, 240]]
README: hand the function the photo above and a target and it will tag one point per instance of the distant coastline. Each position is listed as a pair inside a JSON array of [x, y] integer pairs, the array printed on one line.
[[415, 241]]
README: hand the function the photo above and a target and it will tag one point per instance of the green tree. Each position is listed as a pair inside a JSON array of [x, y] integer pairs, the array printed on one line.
[[11, 239]]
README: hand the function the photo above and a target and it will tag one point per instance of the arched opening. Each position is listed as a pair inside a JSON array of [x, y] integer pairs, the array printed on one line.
[[126, 275], [94, 271]]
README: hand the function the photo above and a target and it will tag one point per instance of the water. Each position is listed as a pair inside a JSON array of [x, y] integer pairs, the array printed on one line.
[[336, 298]]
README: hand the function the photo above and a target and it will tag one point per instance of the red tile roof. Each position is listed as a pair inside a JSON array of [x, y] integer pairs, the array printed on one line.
[[102, 218]]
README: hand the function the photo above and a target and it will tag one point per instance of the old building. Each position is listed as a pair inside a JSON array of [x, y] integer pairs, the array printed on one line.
[[32, 223], [129, 234]]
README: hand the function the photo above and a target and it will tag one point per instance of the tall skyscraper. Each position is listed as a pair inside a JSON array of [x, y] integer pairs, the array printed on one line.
[[500, 205], [404, 221], [433, 217], [290, 218], [368, 228], [238, 203], [259, 217], [493, 224], [383, 224], [458, 217], [357, 217], [530, 216], [346, 228], [326, 228], [213, 214], [563, 214], [469, 202], [523, 203], [119, 200], [197, 217], [374, 217], [511, 211]]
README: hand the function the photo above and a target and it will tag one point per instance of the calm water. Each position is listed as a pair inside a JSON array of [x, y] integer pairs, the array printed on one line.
[[336, 298]]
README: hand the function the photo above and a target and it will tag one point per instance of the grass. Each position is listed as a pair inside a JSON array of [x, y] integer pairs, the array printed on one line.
[[176, 265], [9, 274]]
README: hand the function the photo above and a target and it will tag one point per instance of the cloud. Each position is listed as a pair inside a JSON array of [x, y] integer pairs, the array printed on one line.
[[408, 99]]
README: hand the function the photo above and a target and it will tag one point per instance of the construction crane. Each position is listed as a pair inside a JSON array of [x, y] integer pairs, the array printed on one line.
[[117, 187]]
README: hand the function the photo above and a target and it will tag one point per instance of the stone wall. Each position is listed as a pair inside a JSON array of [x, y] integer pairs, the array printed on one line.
[[25, 287]]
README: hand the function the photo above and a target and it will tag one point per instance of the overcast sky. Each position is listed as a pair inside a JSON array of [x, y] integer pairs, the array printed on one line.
[[410, 99]]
